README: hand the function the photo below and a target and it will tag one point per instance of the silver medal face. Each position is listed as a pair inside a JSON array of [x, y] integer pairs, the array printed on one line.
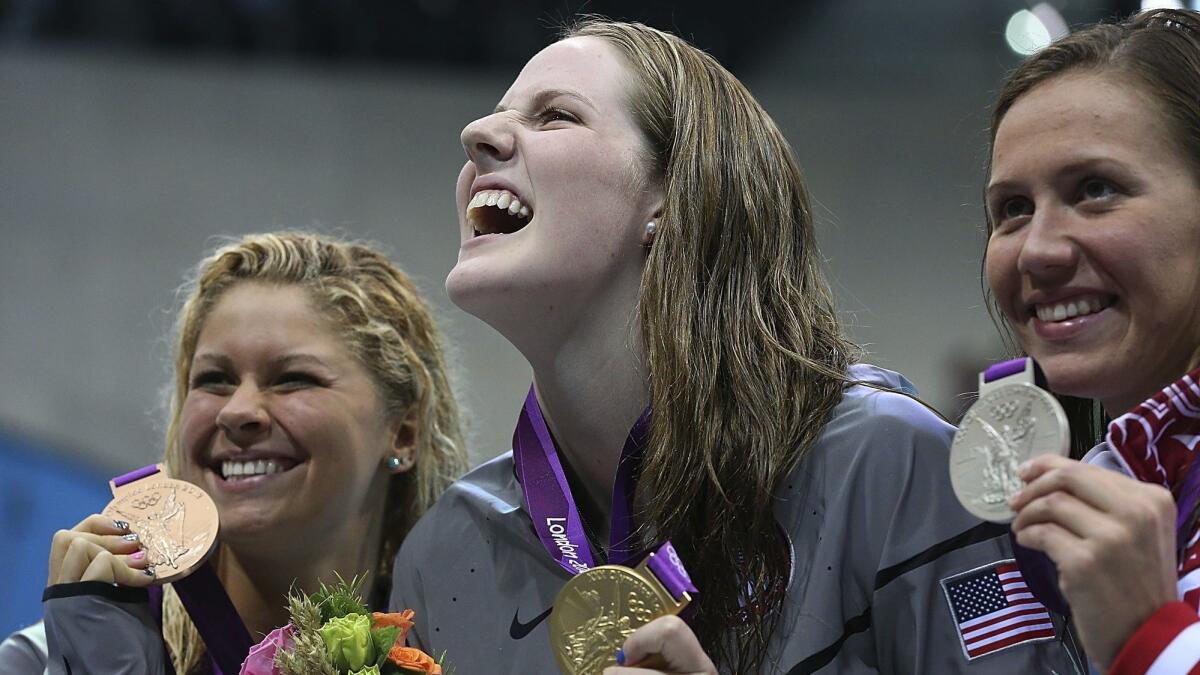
[[1005, 427]]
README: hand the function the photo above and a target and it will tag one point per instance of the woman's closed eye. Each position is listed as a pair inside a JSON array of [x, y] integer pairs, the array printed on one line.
[[295, 379], [553, 114], [211, 379]]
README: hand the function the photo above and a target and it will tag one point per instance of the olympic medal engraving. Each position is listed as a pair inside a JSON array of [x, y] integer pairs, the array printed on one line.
[[596, 610], [1005, 427], [176, 523]]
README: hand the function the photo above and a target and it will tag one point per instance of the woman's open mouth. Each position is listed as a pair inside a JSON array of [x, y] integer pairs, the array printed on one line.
[[497, 212], [235, 471]]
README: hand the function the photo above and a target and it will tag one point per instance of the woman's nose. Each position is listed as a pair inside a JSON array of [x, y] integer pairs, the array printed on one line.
[[244, 418], [489, 140]]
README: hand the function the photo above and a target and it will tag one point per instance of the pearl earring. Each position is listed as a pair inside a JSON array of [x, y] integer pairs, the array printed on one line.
[[648, 239], [393, 463]]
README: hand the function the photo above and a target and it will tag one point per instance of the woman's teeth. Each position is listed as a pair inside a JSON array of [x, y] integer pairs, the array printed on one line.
[[239, 470], [500, 199], [1061, 311]]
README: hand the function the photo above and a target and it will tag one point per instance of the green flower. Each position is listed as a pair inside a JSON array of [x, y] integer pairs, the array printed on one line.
[[369, 670], [348, 641]]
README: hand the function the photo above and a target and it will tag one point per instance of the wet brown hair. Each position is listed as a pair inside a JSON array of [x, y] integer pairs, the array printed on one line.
[[746, 357]]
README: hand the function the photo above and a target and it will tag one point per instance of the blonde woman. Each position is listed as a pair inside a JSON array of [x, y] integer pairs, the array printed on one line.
[[311, 403], [635, 224]]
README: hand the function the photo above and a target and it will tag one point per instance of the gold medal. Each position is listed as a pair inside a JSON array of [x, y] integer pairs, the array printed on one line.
[[596, 610], [176, 522]]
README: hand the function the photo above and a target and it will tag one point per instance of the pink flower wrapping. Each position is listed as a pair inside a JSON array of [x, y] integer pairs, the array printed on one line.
[[261, 659]]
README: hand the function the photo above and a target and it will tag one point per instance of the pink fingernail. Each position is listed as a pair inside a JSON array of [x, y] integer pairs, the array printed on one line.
[[139, 555]]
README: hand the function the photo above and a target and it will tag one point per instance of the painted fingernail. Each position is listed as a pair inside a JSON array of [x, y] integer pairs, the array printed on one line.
[[620, 657], [132, 536], [139, 555], [120, 524]]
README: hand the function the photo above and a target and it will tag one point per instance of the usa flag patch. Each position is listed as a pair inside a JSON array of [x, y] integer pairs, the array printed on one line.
[[994, 610]]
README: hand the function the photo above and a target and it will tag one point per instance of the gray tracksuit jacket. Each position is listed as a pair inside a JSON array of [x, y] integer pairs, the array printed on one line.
[[874, 528]]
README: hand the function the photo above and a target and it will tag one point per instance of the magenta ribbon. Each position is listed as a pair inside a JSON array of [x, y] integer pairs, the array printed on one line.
[[555, 516]]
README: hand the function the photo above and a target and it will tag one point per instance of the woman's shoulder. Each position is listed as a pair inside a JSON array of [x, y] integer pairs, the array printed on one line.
[[486, 495], [881, 407], [24, 652], [491, 485]]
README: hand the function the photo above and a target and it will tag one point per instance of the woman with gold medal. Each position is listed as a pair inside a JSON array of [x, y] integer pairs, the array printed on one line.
[[703, 479]]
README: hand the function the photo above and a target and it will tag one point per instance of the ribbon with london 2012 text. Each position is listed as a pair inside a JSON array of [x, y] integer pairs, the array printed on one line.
[[555, 516]]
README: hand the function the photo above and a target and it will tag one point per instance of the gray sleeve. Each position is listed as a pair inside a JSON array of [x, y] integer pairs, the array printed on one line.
[[408, 591], [94, 627], [929, 541], [24, 652]]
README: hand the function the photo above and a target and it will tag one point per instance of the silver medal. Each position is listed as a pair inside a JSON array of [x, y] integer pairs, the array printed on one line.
[[1008, 425]]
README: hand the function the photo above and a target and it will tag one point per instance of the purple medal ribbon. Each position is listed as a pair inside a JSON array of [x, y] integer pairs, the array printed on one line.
[[1189, 495], [555, 516], [203, 596], [1039, 571]]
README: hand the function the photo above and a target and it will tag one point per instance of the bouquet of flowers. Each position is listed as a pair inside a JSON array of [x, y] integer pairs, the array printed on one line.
[[333, 633]]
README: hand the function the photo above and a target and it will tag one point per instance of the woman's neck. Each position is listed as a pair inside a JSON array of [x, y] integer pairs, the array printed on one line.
[[590, 395], [258, 581]]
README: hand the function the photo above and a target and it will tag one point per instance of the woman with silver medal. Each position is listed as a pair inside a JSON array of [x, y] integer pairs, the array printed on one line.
[[1093, 259], [634, 223], [311, 413]]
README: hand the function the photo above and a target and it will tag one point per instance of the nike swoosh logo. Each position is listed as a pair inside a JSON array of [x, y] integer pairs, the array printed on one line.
[[519, 630]]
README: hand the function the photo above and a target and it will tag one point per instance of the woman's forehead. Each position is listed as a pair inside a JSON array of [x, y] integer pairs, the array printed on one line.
[[585, 66]]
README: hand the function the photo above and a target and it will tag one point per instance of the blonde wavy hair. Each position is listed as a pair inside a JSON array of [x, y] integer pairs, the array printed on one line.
[[745, 354], [384, 322]]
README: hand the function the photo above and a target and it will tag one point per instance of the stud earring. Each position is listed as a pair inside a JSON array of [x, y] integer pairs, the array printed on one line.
[[393, 463], [651, 228]]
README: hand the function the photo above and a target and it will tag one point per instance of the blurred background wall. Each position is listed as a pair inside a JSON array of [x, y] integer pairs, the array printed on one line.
[[135, 135]]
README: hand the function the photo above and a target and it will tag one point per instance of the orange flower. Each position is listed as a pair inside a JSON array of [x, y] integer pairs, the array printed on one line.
[[402, 620], [413, 659]]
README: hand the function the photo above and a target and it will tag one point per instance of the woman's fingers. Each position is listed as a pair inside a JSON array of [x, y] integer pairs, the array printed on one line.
[[1051, 473], [76, 559], [111, 568], [74, 553], [1063, 509], [121, 544], [110, 533], [667, 645]]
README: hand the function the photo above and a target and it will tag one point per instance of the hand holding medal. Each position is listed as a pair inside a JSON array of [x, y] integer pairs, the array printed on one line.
[[175, 522], [155, 530], [1013, 421], [600, 607], [597, 610]]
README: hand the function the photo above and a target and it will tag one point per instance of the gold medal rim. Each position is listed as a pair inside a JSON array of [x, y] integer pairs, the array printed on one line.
[[642, 575]]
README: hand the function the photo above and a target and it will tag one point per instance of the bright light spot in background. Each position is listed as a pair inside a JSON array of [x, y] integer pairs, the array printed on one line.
[[1031, 30], [1025, 33], [1162, 4]]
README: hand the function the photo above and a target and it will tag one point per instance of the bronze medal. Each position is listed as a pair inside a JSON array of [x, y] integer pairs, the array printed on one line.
[[176, 522], [596, 610]]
